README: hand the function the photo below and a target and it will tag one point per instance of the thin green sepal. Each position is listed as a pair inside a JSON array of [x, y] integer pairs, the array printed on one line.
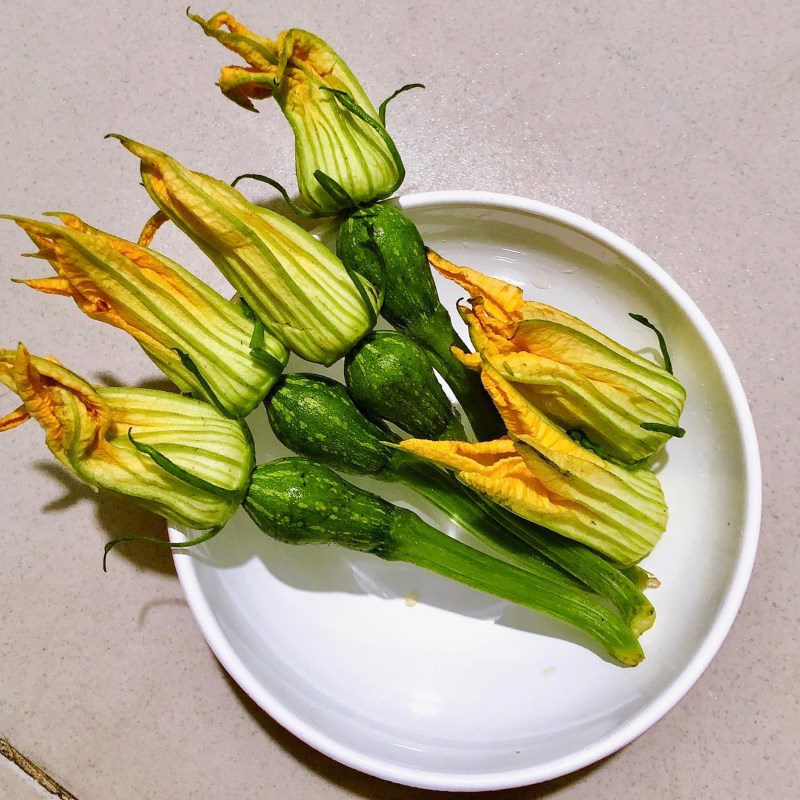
[[179, 472], [382, 108], [204, 537], [296, 208], [662, 342]]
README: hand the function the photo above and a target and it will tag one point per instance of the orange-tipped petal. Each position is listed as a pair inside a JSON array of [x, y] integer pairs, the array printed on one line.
[[488, 336], [11, 420], [469, 360], [151, 228], [58, 286], [245, 84], [521, 419], [257, 81], [461, 456], [259, 52], [70, 411], [502, 301]]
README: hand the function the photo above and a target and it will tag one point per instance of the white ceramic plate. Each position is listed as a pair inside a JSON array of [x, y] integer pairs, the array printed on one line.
[[461, 691]]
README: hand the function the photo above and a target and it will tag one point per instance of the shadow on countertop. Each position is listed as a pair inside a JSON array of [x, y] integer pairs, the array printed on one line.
[[117, 516], [359, 784]]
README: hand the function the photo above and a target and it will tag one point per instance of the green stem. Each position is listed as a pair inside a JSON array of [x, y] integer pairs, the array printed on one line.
[[437, 333], [587, 566], [415, 542], [181, 474], [453, 499]]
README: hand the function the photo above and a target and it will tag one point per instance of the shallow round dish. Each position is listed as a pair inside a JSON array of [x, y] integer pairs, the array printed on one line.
[[407, 676]]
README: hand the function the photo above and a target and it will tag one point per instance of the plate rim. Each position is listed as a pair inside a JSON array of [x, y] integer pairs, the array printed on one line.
[[680, 685]]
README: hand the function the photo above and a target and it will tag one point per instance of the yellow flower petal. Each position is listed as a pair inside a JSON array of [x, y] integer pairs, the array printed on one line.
[[486, 337], [471, 361], [151, 228], [461, 456], [14, 418], [522, 420], [58, 286], [541, 474], [70, 411], [258, 52], [501, 301], [245, 84]]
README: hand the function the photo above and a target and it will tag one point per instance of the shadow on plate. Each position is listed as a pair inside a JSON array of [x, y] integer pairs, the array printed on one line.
[[332, 570]]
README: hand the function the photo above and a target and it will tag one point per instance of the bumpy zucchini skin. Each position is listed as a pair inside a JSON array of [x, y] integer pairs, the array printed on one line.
[[383, 245], [390, 376], [314, 416], [299, 501]]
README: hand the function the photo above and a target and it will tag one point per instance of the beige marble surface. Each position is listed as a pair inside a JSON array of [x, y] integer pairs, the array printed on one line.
[[674, 124]]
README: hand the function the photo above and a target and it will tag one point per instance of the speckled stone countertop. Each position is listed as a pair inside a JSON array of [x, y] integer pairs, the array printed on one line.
[[673, 124]]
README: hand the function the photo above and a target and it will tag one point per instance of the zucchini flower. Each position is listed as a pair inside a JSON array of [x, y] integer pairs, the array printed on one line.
[[541, 474], [344, 155], [609, 398], [206, 344], [174, 455], [296, 286]]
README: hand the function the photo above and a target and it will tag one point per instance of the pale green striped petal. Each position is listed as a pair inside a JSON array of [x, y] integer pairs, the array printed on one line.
[[164, 307], [298, 70], [295, 285], [94, 430]]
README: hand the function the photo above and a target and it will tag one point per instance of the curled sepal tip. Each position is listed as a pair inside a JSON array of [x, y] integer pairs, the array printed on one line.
[[662, 342], [204, 537], [385, 103], [306, 213]]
